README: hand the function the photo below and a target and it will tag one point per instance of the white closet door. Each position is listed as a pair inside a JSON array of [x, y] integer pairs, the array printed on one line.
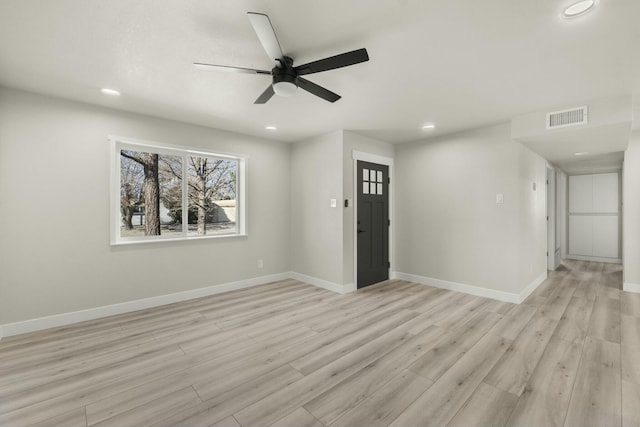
[[581, 194], [605, 193], [581, 235], [605, 236]]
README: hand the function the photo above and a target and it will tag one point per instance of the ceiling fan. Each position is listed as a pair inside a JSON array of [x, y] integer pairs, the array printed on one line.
[[286, 77]]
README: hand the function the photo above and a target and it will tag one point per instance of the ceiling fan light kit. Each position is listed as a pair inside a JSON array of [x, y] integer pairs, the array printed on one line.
[[285, 77]]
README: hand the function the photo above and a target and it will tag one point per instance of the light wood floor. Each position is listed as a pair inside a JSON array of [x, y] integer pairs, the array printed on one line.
[[290, 354]]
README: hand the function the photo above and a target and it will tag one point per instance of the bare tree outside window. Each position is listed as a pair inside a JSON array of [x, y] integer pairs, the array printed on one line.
[[210, 180]]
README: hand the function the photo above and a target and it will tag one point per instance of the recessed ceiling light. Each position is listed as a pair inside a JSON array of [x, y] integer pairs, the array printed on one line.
[[579, 8], [111, 92], [271, 128], [582, 153], [428, 126]]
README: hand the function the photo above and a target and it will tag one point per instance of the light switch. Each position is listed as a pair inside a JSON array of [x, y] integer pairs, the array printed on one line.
[[499, 198], [334, 203]]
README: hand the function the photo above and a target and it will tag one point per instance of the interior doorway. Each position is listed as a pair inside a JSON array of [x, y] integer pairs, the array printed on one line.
[[551, 219]]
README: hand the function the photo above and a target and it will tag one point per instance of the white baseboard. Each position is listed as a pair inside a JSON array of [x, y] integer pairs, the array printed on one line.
[[631, 287], [324, 284], [594, 258], [532, 286], [32, 325], [57, 320], [473, 289]]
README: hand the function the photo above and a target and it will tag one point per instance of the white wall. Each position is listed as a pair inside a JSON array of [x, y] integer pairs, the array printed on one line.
[[448, 224], [54, 209], [631, 214], [316, 227], [356, 142], [531, 236]]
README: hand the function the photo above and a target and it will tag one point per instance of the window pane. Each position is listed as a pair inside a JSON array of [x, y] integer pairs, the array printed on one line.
[[379, 176], [365, 188], [380, 189], [212, 195], [150, 194], [365, 174]]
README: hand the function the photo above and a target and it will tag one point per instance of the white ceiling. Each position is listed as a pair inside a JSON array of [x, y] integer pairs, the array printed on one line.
[[601, 148], [457, 63]]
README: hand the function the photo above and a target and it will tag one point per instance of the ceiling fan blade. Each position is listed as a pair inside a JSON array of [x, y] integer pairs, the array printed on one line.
[[267, 36], [211, 67], [338, 61], [313, 88], [265, 96]]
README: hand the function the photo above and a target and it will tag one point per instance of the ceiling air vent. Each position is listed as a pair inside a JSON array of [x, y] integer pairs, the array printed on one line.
[[565, 118]]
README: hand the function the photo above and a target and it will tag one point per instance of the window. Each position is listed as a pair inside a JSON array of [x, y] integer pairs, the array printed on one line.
[[371, 182], [162, 192]]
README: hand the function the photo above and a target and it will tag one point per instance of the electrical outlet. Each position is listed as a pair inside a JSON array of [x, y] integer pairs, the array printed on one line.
[[260, 263]]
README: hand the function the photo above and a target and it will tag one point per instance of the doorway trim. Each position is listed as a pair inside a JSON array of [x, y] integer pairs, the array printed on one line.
[[381, 160], [551, 211]]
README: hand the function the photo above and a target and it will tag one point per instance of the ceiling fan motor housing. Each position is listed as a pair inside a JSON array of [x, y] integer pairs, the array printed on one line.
[[285, 78]]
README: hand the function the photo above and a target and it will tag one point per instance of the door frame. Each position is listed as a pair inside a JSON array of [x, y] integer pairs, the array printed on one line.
[[380, 160], [551, 204]]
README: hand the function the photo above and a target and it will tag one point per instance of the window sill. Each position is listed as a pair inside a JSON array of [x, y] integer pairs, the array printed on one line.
[[134, 241]]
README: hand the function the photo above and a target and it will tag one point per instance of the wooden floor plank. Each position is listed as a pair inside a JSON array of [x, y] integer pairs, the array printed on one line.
[[223, 405], [386, 404], [574, 323], [630, 348], [331, 404], [321, 357], [73, 418], [514, 321], [277, 405], [545, 399], [630, 404], [514, 369], [596, 398], [60, 390], [298, 418], [487, 406], [557, 302], [447, 350], [605, 320], [154, 410], [446, 396], [227, 422]]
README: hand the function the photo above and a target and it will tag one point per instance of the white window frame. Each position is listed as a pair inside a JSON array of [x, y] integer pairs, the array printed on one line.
[[119, 143]]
